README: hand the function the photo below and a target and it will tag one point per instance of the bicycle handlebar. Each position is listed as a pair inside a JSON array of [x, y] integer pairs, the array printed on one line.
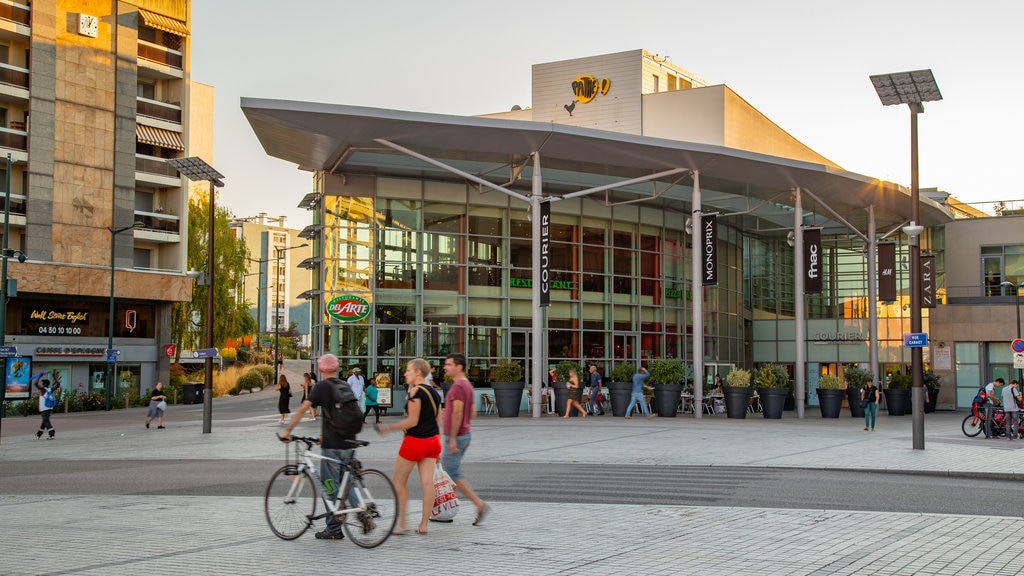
[[309, 441]]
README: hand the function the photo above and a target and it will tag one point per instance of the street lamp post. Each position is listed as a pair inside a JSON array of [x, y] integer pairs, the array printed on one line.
[[1016, 297], [112, 366], [277, 305], [913, 89], [195, 168]]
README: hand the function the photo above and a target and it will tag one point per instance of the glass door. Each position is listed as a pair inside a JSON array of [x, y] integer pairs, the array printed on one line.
[[395, 346], [625, 349], [521, 348]]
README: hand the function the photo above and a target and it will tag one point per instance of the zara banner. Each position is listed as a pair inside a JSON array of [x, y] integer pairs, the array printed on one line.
[[709, 250], [928, 281], [812, 261]]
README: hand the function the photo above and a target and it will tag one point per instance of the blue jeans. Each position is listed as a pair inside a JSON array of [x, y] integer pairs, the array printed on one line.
[[870, 413], [330, 475], [638, 397], [452, 462]]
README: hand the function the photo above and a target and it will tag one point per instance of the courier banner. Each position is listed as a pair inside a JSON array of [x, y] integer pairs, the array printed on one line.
[[812, 261], [887, 272], [709, 249], [927, 281], [545, 253]]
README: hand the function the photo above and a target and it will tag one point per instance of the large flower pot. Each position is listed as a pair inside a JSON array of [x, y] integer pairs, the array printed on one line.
[[509, 397], [831, 402], [853, 397], [773, 401], [620, 393], [666, 399], [897, 401], [933, 396], [561, 397], [737, 400]]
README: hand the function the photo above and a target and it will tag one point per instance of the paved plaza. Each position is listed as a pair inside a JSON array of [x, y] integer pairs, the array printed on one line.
[[71, 533]]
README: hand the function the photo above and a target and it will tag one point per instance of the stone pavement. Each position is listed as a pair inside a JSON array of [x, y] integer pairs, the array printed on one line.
[[89, 534]]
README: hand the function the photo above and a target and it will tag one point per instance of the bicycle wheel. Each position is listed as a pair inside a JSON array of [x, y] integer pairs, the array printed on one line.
[[374, 491], [289, 502], [972, 425]]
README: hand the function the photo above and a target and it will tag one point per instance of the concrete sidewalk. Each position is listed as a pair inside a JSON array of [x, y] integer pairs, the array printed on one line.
[[114, 535]]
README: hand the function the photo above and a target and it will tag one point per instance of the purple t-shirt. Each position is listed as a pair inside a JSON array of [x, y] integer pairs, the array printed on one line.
[[461, 390]]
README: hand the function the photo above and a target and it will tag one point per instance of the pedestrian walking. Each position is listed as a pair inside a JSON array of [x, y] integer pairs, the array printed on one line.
[[638, 394], [157, 405], [47, 402], [459, 411], [284, 390], [329, 392], [870, 396], [991, 401], [596, 397], [307, 385], [574, 394], [1011, 407], [371, 402], [421, 446]]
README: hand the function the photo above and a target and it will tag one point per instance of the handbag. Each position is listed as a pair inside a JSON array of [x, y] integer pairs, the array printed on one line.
[[863, 403], [446, 503], [162, 405]]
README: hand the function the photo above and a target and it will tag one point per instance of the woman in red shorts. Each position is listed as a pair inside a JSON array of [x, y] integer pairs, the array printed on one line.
[[421, 446]]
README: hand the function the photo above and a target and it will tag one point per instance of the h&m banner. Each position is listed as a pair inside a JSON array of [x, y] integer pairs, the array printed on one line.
[[709, 250], [887, 272], [927, 281], [545, 253], [812, 261]]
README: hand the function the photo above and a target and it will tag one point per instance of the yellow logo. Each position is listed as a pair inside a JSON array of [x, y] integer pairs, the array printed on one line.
[[586, 88]]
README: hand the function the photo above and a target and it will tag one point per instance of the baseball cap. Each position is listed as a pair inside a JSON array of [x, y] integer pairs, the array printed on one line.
[[327, 363], [356, 369]]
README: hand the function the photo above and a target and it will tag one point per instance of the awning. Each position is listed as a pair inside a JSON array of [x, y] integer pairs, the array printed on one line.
[[161, 22], [159, 137]]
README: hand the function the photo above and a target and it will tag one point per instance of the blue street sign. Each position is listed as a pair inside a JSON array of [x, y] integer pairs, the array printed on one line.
[[205, 353], [6, 351], [111, 358], [1017, 346], [915, 339]]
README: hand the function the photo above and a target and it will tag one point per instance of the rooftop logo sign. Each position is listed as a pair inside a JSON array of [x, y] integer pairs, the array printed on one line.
[[586, 88]]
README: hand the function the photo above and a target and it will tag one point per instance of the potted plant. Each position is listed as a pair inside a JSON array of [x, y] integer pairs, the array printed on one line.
[[667, 378], [897, 394], [507, 382], [560, 385], [773, 387], [856, 379], [831, 391], [621, 387], [931, 384], [737, 393]]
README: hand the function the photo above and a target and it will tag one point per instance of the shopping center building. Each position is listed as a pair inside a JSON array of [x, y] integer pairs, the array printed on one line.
[[668, 216]]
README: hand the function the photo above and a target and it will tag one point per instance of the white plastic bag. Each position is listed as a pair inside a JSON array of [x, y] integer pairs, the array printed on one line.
[[446, 503]]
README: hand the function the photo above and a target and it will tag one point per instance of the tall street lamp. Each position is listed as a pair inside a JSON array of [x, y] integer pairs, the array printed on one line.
[[195, 168], [1016, 297], [277, 306], [913, 89], [111, 354]]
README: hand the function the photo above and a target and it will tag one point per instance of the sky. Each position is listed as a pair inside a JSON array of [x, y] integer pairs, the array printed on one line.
[[803, 63]]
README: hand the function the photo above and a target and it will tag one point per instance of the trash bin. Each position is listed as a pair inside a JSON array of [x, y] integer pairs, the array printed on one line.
[[192, 393]]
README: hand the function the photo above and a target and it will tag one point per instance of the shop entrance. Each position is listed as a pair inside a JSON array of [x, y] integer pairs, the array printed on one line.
[[625, 349], [395, 346]]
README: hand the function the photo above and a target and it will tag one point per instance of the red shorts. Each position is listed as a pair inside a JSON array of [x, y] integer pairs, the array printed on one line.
[[416, 449]]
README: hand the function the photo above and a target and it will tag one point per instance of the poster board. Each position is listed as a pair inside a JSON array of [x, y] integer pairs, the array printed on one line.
[[17, 377], [385, 397]]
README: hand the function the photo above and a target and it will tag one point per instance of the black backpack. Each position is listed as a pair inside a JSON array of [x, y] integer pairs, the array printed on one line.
[[343, 415]]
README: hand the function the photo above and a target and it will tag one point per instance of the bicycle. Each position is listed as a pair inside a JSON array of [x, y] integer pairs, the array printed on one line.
[[974, 423], [366, 504]]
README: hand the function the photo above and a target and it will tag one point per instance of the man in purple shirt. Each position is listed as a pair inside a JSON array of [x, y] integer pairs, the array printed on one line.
[[459, 409]]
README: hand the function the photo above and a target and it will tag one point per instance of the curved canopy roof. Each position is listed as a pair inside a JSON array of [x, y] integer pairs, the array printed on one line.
[[754, 187]]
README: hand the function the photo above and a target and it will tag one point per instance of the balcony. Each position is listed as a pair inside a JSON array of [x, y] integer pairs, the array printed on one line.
[[156, 172], [154, 109], [158, 221], [160, 54], [15, 13], [13, 139], [13, 75]]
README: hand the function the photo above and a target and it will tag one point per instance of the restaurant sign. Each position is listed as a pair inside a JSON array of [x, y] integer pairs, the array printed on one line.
[[348, 308]]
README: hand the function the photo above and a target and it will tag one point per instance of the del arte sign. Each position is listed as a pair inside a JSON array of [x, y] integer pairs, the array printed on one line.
[[348, 308]]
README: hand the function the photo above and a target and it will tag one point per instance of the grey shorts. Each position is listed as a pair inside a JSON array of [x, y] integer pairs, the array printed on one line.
[[452, 462]]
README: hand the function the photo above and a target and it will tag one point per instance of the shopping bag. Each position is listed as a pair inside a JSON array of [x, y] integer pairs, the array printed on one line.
[[446, 504]]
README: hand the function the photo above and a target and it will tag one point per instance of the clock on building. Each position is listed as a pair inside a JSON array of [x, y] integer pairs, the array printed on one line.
[[88, 25]]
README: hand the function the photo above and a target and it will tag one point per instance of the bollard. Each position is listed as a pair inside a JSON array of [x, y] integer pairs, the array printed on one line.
[[126, 401], [175, 397], [65, 405]]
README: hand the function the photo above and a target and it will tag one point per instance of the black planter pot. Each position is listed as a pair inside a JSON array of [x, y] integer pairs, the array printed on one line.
[[897, 401], [831, 402], [561, 397], [508, 396], [773, 401], [853, 397], [666, 399], [620, 393], [933, 396], [737, 399]]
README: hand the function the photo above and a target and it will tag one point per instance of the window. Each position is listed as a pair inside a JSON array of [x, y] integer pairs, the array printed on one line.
[[1001, 264], [657, 82], [146, 90]]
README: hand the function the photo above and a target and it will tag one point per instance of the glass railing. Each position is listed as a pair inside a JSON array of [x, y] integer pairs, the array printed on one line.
[[13, 76], [17, 203], [159, 54], [158, 110], [158, 221], [16, 139], [15, 13], [154, 165]]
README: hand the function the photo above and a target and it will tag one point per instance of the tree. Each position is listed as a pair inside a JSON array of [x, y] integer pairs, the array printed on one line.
[[231, 315]]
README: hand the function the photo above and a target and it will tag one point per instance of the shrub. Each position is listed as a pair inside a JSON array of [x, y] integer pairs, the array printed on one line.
[[856, 377], [623, 372], [562, 370], [252, 378], [265, 372], [506, 371], [667, 371], [772, 376], [831, 382], [738, 377]]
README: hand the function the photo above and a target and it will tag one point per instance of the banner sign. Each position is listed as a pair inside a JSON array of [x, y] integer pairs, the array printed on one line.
[[348, 308], [927, 281], [812, 261], [887, 272], [709, 249], [545, 253]]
